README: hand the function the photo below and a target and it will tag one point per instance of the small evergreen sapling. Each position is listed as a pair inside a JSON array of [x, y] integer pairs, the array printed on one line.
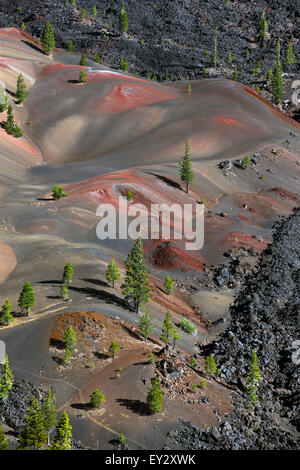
[[211, 366], [169, 285], [114, 348], [26, 299], [48, 39], [22, 91], [34, 435], [253, 378], [146, 325], [97, 398], [3, 441], [63, 437], [167, 328], [112, 273], [3, 99], [58, 192], [123, 19], [277, 81], [49, 412], [82, 77], [10, 126], [5, 314], [185, 168], [155, 396], [6, 381], [83, 61], [68, 274]]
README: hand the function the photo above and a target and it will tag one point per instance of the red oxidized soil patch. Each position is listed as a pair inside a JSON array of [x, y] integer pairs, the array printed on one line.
[[246, 241], [166, 255], [228, 121]]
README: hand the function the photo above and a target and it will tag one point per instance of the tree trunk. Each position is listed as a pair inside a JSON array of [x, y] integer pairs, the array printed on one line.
[[187, 187]]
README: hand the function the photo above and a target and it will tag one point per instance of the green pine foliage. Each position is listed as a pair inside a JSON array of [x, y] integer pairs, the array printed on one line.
[[3, 441], [135, 287], [97, 58], [97, 398], [34, 435], [22, 91], [253, 378], [5, 314], [83, 61], [167, 328], [169, 285], [6, 381], [82, 77], [68, 355], [94, 10], [70, 338], [114, 348], [70, 47], [215, 47], [82, 14], [246, 162], [155, 396], [68, 274], [112, 273], [175, 336], [48, 39], [187, 326], [64, 292], [49, 412], [211, 366], [290, 57], [277, 81], [3, 99], [235, 74], [263, 27], [123, 19], [10, 126], [146, 324], [58, 192], [185, 168], [26, 299], [124, 65], [63, 437]]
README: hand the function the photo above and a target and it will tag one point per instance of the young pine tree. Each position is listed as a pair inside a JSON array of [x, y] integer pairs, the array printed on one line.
[[5, 314], [26, 299], [168, 285], [64, 292], [263, 28], [49, 412], [21, 92], [34, 435], [6, 381], [82, 14], [58, 192], [114, 348], [123, 19], [68, 274], [185, 168], [277, 81], [290, 57], [63, 437], [210, 365], [48, 39], [94, 10], [82, 77], [83, 61], [70, 338], [146, 325], [3, 441], [112, 273], [155, 396], [253, 378], [97, 58], [70, 47], [3, 99], [167, 328], [235, 74], [10, 126], [215, 47], [135, 287], [175, 336], [97, 398]]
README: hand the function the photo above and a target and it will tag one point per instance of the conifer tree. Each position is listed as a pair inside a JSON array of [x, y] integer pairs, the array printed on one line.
[[210, 365], [49, 412], [70, 47], [97, 398], [189, 89], [253, 378], [34, 435], [185, 168], [235, 75], [5, 314], [58, 192], [83, 61], [64, 292], [26, 299], [82, 14], [175, 336], [167, 328], [68, 274], [3, 99], [94, 10], [135, 287], [112, 272], [6, 381], [215, 47], [68, 354], [48, 39], [22, 91], [290, 57], [123, 19], [114, 348], [82, 77], [277, 82], [63, 437], [10, 126], [229, 57], [146, 324], [263, 28], [3, 441], [155, 396], [97, 59], [70, 338], [168, 285]]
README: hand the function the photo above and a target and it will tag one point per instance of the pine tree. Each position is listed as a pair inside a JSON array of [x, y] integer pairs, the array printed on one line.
[[48, 39], [189, 89], [82, 14], [94, 10], [229, 57], [49, 412], [21, 92], [83, 61], [3, 441], [97, 59], [146, 324], [175, 336], [168, 285], [263, 28], [185, 168], [26, 299], [97, 398], [235, 75], [3, 99], [70, 338], [155, 396], [210, 365], [6, 381], [5, 315], [123, 19], [64, 292], [277, 82], [253, 378], [114, 348], [34, 435], [10, 126], [270, 76], [167, 328], [215, 47], [58, 192], [112, 272], [70, 47], [68, 274], [135, 287], [290, 57], [82, 77], [68, 354], [63, 437]]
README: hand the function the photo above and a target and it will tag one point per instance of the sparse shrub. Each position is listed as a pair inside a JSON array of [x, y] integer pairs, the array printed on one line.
[[189, 89], [94, 10], [64, 292], [82, 14], [97, 58], [83, 61], [203, 383], [121, 438], [151, 358], [67, 274], [23, 27], [123, 19]]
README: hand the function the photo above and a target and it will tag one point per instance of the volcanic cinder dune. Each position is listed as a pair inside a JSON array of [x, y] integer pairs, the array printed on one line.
[[119, 132]]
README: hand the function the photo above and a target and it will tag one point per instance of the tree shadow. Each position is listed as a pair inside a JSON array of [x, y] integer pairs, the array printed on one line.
[[33, 46], [166, 180], [107, 297], [101, 355], [82, 406], [54, 297], [73, 81], [57, 343], [132, 333], [58, 360], [97, 282], [136, 406], [55, 281], [45, 199]]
